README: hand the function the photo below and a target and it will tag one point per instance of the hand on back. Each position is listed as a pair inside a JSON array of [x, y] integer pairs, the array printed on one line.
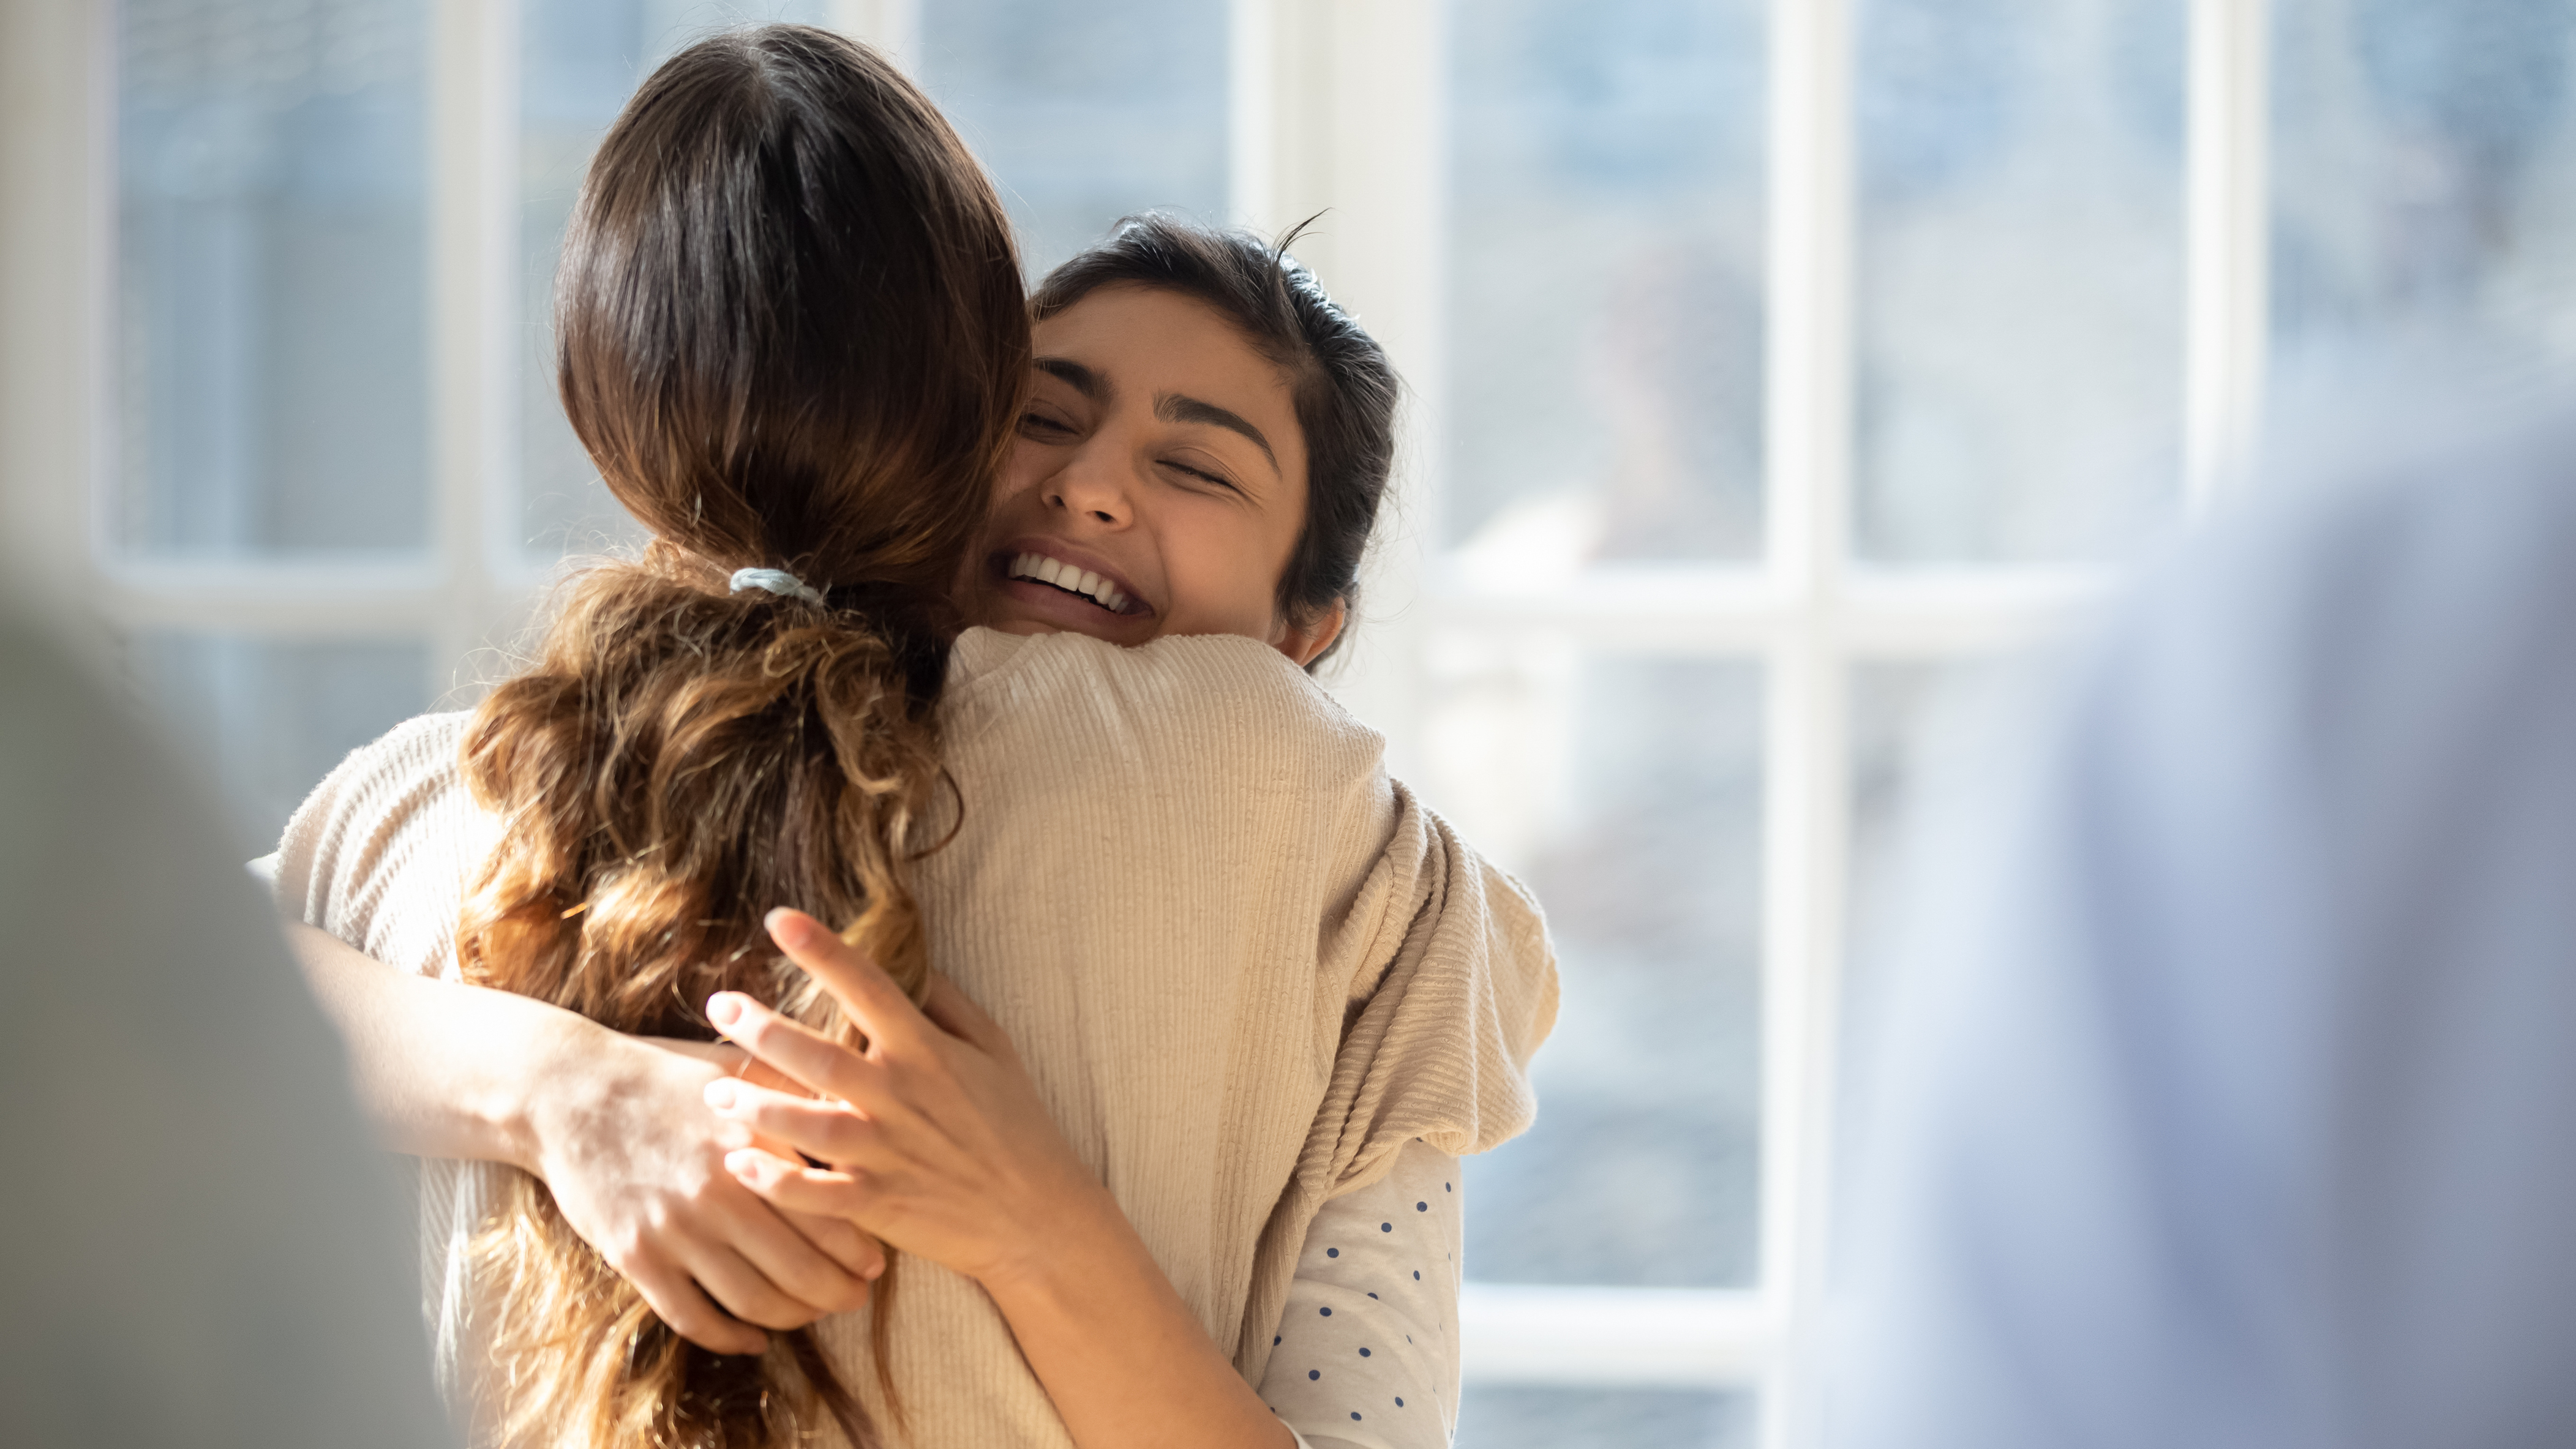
[[636, 1163], [932, 1138]]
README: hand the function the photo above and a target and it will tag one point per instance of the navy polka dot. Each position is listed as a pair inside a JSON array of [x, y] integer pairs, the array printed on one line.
[[1444, 1187], [1332, 1252], [1364, 1353], [1422, 1207], [1274, 1338], [1372, 1295], [1355, 1413], [1313, 1374], [1399, 1403], [1417, 1275], [1386, 1227], [1325, 1311]]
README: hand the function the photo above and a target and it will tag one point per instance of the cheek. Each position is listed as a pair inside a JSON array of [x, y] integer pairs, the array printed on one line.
[[1021, 472], [1223, 578]]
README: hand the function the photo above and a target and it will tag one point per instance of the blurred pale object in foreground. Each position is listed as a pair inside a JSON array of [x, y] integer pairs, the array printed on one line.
[[2225, 1090], [197, 1246]]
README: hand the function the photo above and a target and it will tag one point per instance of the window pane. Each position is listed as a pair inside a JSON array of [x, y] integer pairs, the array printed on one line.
[[274, 716], [1085, 113], [1604, 389], [578, 62], [2423, 176], [271, 276], [1494, 1416], [1626, 792], [2019, 274]]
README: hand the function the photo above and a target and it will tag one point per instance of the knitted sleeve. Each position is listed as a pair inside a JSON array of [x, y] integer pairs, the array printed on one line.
[[379, 853]]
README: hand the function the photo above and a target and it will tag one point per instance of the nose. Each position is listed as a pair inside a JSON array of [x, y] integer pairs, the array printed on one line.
[[1090, 485]]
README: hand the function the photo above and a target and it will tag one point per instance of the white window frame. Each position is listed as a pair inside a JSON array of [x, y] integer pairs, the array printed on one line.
[[1339, 104]]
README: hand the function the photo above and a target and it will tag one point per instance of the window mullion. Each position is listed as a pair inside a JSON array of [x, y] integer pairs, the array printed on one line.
[[1807, 447], [473, 110], [2227, 212]]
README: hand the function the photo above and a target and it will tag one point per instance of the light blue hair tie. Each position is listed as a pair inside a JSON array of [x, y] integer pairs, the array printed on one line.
[[776, 581]]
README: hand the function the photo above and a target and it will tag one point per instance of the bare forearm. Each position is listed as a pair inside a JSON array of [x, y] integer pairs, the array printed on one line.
[[1124, 1359], [441, 1068]]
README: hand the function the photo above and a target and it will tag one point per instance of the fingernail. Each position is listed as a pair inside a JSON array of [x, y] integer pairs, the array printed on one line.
[[786, 927], [720, 1094], [724, 1009], [874, 1271]]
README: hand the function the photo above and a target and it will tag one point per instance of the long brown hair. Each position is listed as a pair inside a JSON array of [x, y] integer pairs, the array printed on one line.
[[792, 335]]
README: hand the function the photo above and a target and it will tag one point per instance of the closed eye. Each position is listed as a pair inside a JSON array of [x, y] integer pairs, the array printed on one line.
[[1203, 476], [1041, 423]]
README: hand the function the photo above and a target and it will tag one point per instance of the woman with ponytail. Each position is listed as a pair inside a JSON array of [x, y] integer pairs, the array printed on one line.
[[1148, 969], [791, 335]]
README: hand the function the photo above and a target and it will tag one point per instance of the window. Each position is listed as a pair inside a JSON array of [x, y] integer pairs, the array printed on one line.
[[1776, 365]]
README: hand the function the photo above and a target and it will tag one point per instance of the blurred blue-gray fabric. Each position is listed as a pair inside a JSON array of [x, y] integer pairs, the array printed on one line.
[[198, 1244], [2228, 1086]]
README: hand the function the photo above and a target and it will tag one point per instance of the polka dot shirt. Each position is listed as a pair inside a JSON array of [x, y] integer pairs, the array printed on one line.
[[1367, 1351]]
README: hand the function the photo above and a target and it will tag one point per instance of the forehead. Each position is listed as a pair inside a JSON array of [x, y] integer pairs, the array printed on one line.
[[1151, 340]]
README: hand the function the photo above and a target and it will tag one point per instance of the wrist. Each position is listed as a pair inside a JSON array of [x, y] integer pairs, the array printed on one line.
[[1070, 1239], [570, 1064]]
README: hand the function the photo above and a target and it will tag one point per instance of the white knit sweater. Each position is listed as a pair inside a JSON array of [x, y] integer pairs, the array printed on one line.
[[1244, 967]]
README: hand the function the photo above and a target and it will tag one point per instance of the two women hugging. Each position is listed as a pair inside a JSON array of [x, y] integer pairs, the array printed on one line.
[[929, 862]]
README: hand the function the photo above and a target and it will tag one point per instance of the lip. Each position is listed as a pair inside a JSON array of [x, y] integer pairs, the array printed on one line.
[[1058, 605]]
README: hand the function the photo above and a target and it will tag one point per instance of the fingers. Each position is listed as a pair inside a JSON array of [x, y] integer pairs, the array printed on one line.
[[786, 1259], [841, 1240], [762, 1074], [830, 1130], [727, 1056], [732, 1281], [713, 1053], [867, 993], [811, 1062], [676, 1298], [793, 1187]]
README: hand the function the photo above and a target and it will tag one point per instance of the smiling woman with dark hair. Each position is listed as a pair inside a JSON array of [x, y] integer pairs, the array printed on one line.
[[1156, 1014]]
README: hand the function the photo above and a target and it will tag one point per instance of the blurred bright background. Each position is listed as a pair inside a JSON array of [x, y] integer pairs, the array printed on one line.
[[1776, 368]]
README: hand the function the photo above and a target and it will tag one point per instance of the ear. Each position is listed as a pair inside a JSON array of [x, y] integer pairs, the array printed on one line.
[[1302, 642]]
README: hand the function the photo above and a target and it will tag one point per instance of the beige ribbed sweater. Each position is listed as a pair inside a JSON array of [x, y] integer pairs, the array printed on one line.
[[1242, 965]]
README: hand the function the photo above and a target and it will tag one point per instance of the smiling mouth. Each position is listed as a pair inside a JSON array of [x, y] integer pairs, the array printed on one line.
[[1081, 583]]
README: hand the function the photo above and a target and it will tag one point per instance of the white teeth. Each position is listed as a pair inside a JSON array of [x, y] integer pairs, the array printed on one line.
[[1073, 580]]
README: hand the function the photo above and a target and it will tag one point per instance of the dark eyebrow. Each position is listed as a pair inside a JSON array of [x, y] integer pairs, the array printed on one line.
[[1082, 379], [1173, 407]]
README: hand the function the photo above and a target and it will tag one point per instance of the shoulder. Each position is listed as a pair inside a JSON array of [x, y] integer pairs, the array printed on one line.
[[1193, 694], [390, 801]]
